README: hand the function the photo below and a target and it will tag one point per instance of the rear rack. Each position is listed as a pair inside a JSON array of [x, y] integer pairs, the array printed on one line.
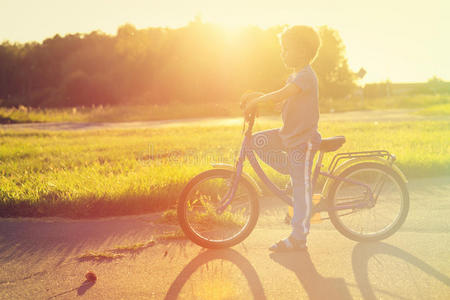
[[349, 155]]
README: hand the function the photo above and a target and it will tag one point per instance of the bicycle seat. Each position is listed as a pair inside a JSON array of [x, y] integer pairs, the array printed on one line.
[[332, 143]]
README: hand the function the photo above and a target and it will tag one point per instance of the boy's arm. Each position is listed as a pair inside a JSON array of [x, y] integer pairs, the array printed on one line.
[[287, 91]]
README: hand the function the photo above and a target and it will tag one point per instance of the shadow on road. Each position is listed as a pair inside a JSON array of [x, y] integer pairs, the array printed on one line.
[[200, 263], [315, 285], [34, 242], [363, 252], [81, 290]]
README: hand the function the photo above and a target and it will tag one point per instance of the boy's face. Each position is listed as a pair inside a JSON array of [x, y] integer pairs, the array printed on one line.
[[293, 57]]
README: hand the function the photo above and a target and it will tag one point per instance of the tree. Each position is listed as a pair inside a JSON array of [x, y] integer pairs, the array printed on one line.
[[200, 62], [336, 80]]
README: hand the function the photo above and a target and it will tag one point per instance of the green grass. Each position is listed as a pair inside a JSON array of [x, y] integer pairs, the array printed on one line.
[[98, 256], [171, 236], [207, 216], [117, 172], [116, 252], [436, 110], [403, 102], [100, 113], [169, 216], [182, 110], [134, 248]]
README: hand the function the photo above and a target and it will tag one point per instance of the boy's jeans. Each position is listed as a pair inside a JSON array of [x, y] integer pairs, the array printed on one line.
[[297, 162]]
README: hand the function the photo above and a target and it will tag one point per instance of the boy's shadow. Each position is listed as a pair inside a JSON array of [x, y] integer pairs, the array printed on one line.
[[316, 286]]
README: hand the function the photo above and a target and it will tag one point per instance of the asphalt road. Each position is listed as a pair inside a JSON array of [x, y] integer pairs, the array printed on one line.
[[38, 259]]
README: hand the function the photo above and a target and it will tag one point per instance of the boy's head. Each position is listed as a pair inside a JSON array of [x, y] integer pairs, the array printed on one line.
[[300, 45]]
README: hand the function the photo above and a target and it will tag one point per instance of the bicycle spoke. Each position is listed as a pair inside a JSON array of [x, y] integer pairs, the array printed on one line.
[[369, 221], [202, 215]]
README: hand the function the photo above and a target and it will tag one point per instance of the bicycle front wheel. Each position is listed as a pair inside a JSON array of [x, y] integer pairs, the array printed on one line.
[[198, 215], [350, 210]]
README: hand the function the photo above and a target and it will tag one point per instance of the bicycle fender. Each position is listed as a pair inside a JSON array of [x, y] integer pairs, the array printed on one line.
[[329, 182], [244, 175]]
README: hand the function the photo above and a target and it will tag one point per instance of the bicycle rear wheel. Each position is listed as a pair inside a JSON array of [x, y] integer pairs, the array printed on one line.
[[370, 222], [197, 210]]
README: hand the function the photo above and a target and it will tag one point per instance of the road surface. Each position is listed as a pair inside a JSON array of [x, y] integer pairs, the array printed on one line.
[[39, 259]]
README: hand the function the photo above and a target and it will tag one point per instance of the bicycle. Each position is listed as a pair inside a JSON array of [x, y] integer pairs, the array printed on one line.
[[219, 208]]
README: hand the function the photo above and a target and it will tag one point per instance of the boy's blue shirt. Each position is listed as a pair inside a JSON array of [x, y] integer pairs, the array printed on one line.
[[300, 112]]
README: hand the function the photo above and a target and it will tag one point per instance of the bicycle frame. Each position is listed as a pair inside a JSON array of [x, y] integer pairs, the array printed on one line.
[[247, 152]]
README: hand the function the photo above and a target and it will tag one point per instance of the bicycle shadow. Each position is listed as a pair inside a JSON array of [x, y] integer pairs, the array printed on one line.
[[362, 253], [315, 285], [204, 258]]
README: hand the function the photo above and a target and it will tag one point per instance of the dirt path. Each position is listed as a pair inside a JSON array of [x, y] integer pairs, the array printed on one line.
[[355, 116]]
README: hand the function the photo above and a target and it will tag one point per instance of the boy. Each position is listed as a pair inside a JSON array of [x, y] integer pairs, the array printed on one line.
[[290, 149]]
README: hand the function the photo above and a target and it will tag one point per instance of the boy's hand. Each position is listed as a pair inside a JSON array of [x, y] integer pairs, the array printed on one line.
[[247, 97], [251, 106]]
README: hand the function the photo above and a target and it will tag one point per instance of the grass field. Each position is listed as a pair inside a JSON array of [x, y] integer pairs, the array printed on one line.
[[100, 113], [436, 110], [117, 172], [431, 104]]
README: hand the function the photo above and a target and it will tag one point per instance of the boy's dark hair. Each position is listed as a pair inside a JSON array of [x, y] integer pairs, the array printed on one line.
[[302, 36]]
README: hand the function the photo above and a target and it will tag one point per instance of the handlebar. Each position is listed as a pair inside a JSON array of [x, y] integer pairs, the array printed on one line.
[[250, 118]]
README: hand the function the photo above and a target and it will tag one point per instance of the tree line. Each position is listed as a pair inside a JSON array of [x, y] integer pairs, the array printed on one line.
[[193, 64]]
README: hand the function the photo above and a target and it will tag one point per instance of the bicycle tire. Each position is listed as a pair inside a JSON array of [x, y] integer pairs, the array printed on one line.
[[400, 218], [188, 228]]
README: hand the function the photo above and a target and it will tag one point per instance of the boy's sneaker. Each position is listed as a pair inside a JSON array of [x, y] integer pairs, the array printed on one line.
[[288, 245]]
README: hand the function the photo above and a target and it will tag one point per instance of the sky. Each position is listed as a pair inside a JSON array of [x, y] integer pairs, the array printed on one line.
[[396, 40]]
